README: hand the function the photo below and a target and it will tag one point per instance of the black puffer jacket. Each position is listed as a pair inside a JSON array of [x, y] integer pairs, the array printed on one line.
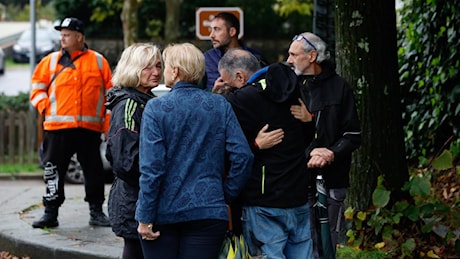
[[279, 177], [126, 105], [330, 99]]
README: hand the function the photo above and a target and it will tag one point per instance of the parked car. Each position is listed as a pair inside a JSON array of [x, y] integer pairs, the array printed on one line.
[[75, 172], [2, 61], [161, 90], [46, 42]]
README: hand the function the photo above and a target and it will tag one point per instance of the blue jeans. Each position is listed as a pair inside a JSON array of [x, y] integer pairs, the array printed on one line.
[[277, 232], [199, 239]]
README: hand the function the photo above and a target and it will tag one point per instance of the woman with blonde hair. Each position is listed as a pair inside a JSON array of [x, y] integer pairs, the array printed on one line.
[[186, 139], [137, 73]]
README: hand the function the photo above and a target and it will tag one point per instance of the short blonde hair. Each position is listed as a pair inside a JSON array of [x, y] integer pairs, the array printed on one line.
[[188, 59], [133, 60]]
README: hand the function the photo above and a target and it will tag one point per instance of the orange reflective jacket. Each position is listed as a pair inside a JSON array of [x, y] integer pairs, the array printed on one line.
[[76, 97]]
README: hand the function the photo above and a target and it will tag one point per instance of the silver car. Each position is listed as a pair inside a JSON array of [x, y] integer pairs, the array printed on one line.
[[46, 42]]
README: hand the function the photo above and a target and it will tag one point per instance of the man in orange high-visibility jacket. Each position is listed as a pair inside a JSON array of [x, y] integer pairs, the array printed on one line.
[[68, 90]]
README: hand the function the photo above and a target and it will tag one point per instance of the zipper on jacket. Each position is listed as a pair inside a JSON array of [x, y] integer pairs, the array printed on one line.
[[263, 179]]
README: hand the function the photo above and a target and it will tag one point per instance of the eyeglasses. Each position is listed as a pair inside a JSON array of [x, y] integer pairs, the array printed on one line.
[[300, 37]]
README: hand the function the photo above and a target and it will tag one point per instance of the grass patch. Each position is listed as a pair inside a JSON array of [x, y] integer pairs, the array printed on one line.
[[9, 63], [15, 168], [347, 252]]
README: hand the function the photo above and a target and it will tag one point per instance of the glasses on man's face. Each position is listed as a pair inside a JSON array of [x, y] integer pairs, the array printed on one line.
[[300, 37]]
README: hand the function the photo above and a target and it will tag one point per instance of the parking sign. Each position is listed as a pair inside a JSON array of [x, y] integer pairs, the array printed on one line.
[[204, 15]]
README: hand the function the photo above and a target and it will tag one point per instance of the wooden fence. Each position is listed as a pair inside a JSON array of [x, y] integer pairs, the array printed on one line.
[[18, 133]]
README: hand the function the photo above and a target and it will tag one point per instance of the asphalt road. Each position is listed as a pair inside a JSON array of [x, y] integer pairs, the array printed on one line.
[[15, 80]]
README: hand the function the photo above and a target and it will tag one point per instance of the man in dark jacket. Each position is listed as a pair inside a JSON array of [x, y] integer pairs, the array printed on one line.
[[330, 101], [275, 209]]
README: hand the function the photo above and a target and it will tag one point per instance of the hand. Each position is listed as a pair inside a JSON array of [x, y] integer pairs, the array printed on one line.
[[320, 157], [301, 112], [106, 136], [146, 232], [316, 161], [267, 140], [220, 86]]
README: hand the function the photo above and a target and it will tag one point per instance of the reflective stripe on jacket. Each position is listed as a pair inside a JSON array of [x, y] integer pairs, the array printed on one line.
[[76, 97]]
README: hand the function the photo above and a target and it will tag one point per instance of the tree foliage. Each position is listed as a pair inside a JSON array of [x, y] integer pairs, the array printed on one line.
[[261, 19], [287, 7], [429, 60]]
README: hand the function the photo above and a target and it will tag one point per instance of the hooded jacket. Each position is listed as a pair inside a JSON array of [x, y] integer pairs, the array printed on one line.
[[331, 101], [127, 105], [279, 174]]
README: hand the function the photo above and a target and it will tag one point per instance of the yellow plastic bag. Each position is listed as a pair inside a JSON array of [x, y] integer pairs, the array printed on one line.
[[234, 247]]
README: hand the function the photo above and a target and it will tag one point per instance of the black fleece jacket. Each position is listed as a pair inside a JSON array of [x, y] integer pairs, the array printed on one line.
[[279, 176], [331, 100]]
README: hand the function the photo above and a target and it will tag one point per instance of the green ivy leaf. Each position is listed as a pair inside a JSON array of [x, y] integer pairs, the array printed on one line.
[[361, 215], [420, 186], [443, 161], [428, 227], [349, 213], [412, 213], [396, 218], [408, 246], [400, 206], [387, 233], [380, 197], [427, 210]]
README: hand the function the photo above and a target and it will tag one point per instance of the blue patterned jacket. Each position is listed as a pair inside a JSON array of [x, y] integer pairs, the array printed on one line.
[[186, 138]]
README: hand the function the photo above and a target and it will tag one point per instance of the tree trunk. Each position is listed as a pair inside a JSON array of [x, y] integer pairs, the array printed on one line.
[[129, 20], [366, 57], [323, 23], [172, 20]]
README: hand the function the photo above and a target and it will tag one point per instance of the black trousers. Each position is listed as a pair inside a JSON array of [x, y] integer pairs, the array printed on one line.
[[58, 148], [199, 239]]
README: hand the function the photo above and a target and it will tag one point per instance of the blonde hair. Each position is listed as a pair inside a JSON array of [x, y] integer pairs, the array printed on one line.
[[133, 60], [188, 59]]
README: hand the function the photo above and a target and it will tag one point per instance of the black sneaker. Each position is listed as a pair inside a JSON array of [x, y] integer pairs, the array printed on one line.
[[99, 219], [46, 221]]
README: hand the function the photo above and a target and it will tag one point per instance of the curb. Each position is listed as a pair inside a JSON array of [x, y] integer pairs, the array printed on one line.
[[74, 238]]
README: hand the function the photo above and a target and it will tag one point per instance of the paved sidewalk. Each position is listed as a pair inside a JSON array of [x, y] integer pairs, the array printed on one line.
[[20, 204]]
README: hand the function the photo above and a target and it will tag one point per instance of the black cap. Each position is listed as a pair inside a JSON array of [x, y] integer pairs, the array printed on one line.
[[71, 23]]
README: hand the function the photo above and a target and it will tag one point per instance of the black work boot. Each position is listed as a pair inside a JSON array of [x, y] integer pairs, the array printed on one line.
[[49, 219], [97, 217]]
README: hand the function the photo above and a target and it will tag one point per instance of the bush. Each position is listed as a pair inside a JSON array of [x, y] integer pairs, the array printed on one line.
[[426, 226], [14, 103]]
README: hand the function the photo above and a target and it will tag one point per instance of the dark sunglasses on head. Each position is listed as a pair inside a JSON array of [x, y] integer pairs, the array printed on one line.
[[300, 37]]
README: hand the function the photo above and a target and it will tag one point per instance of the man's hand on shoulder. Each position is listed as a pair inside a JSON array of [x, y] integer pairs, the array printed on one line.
[[265, 140], [301, 112]]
